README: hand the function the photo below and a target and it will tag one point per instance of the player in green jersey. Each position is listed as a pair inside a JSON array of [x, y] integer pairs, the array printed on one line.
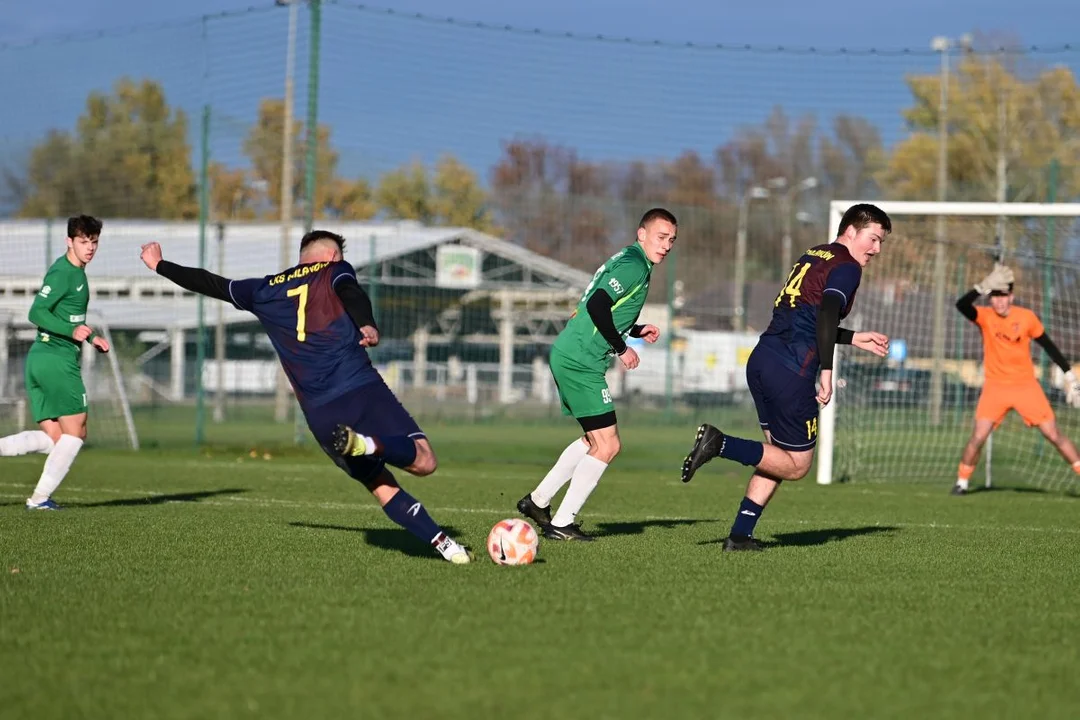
[[605, 316], [53, 379]]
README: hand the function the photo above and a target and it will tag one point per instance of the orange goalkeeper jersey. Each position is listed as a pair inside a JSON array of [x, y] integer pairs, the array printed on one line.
[[1007, 344]]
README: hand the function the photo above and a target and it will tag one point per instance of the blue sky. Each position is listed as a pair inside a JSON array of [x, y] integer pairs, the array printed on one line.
[[395, 88]]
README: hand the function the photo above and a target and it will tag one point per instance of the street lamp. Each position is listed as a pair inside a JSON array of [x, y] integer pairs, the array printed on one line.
[[786, 201], [941, 45], [739, 291], [281, 392]]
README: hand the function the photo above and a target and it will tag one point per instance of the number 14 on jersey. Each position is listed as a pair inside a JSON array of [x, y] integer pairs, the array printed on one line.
[[793, 288]]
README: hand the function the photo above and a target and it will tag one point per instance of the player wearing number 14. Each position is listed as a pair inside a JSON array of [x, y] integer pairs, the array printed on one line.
[[320, 321], [819, 292]]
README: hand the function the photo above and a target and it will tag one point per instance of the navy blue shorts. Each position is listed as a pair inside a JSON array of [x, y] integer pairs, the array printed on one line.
[[786, 402], [371, 409]]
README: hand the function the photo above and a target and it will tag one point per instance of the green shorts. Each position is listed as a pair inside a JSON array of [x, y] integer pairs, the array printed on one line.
[[583, 391], [54, 384]]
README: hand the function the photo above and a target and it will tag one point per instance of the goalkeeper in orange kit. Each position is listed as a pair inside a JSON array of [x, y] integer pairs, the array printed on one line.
[[1009, 382]]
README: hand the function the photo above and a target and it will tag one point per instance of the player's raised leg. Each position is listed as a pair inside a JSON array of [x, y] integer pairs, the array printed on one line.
[[25, 443], [411, 453], [390, 436], [382, 428], [787, 412]]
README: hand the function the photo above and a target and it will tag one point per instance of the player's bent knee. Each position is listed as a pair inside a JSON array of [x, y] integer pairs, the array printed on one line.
[[800, 465], [426, 463]]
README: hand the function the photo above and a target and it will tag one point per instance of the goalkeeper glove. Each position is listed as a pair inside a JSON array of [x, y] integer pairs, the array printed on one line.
[[999, 279], [1072, 389]]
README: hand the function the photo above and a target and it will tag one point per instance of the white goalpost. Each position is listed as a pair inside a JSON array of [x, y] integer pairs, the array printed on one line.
[[110, 417], [906, 419]]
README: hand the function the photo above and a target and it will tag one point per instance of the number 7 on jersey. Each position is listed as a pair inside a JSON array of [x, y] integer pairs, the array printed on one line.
[[301, 310]]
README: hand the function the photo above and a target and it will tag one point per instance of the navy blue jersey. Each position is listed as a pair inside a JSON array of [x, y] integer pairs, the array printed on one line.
[[792, 334], [316, 340]]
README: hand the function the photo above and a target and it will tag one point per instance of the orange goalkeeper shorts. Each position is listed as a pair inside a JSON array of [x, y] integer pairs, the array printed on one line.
[[1027, 399]]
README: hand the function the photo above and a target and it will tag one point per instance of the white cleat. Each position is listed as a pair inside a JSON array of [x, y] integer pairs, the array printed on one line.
[[451, 551]]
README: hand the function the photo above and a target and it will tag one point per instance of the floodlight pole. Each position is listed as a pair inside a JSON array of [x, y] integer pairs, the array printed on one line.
[[281, 390]]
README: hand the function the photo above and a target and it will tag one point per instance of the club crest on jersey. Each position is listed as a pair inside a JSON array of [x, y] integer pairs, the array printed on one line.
[[45, 291], [616, 286]]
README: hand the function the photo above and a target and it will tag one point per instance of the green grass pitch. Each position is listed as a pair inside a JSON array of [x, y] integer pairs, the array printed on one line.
[[179, 584]]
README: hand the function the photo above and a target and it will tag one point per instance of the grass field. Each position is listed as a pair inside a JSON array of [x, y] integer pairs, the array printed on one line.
[[179, 584]]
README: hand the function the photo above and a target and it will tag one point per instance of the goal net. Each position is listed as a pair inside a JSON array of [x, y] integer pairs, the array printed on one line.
[[110, 419], [907, 418]]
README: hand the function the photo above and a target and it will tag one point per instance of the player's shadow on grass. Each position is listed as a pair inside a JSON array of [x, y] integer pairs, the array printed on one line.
[[142, 501], [808, 538], [1007, 488], [160, 499], [606, 529], [394, 539]]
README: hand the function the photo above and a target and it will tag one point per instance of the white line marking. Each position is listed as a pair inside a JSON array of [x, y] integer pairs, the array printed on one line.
[[235, 501]]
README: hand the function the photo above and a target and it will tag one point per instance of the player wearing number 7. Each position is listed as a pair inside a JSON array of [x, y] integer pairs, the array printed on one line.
[[781, 370], [320, 321]]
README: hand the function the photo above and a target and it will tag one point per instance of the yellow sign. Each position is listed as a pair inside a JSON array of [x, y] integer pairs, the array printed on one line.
[[743, 354]]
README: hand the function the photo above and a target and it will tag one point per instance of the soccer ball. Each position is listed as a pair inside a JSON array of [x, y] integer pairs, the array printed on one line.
[[512, 542]]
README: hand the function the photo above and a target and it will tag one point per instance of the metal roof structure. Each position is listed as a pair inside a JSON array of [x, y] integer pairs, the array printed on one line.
[[128, 296]]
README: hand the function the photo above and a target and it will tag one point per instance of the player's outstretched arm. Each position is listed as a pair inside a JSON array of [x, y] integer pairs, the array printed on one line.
[[599, 307], [196, 280], [358, 306]]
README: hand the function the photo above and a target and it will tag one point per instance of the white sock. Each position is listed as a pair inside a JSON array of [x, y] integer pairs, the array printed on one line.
[[560, 473], [56, 467], [24, 443], [586, 477], [962, 483]]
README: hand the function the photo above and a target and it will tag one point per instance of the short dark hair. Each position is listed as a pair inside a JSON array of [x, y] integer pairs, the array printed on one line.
[[83, 226], [657, 214], [861, 215], [316, 235], [1004, 293]]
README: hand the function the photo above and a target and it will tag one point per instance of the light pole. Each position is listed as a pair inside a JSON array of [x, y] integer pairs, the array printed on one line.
[[941, 45], [739, 292], [281, 394], [787, 199]]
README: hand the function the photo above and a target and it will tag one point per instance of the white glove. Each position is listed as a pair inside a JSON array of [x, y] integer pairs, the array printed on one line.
[[1072, 389], [999, 279]]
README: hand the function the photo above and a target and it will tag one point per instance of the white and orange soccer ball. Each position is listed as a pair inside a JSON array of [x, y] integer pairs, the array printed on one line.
[[512, 542]]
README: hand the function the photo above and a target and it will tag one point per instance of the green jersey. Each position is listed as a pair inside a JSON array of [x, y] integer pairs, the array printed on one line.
[[60, 306], [625, 278]]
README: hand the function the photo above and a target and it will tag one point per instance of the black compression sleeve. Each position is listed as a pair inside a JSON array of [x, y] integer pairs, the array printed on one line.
[[599, 307], [966, 305], [635, 332], [196, 280], [844, 336], [1052, 350], [828, 320], [356, 302]]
